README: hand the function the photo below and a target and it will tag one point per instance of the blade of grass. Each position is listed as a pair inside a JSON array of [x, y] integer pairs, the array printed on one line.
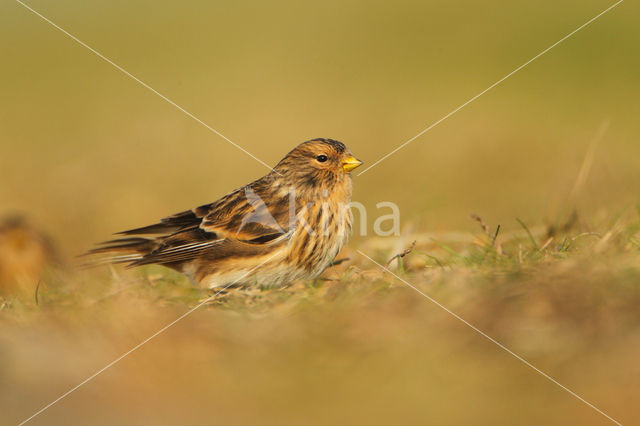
[[526, 228], [451, 251], [495, 236]]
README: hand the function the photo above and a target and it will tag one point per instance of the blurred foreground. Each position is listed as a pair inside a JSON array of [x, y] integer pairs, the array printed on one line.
[[361, 347]]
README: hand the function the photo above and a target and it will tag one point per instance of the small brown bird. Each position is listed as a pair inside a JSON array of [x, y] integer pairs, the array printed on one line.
[[289, 224], [25, 254]]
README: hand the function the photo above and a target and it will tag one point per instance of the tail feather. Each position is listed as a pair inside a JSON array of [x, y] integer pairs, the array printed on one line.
[[125, 245], [122, 250], [124, 241], [156, 228], [177, 238]]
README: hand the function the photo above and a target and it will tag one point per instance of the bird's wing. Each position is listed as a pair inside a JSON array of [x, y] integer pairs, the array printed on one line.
[[248, 215], [236, 222], [174, 223], [179, 247]]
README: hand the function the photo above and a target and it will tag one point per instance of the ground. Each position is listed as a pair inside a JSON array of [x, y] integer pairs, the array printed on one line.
[[356, 345]]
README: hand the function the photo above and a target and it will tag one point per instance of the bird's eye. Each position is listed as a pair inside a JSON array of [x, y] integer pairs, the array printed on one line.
[[321, 158]]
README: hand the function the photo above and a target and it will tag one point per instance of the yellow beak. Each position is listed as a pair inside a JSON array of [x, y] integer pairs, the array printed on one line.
[[350, 163]]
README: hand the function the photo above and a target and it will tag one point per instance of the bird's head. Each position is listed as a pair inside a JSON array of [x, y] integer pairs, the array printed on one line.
[[318, 163]]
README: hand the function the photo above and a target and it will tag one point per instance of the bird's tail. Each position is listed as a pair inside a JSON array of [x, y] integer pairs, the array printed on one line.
[[121, 250]]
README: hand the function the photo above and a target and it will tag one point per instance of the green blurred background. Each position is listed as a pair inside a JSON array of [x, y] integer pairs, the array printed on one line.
[[86, 151]]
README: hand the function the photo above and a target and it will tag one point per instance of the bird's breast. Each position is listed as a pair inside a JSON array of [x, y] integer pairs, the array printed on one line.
[[321, 230]]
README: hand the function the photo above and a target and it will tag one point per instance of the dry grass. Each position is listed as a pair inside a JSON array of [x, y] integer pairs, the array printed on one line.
[[357, 346]]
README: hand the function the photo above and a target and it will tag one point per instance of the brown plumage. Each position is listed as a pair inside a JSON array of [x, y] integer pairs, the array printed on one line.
[[289, 224]]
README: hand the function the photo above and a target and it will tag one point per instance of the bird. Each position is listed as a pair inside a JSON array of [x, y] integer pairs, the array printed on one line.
[[289, 224], [25, 254]]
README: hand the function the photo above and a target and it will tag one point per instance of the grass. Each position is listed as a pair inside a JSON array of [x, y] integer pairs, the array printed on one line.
[[358, 340]]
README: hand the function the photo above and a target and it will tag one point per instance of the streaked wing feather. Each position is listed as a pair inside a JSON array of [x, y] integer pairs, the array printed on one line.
[[223, 228], [174, 223], [177, 253]]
